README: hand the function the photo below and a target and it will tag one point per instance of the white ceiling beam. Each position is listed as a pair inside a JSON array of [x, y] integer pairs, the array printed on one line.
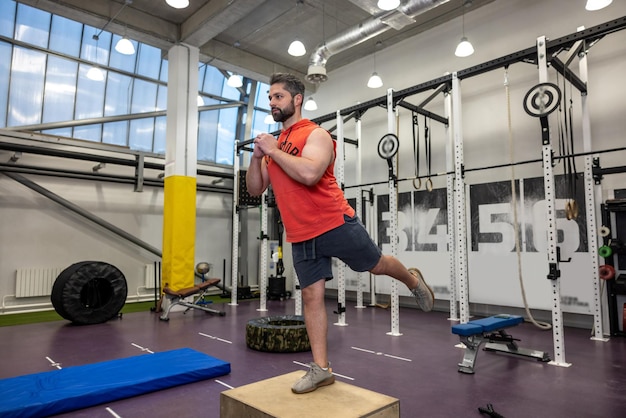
[[213, 18]]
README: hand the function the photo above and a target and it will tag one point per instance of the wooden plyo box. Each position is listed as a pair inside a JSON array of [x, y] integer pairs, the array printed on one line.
[[272, 398]]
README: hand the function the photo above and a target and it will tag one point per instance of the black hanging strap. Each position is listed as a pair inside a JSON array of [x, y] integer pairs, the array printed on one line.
[[429, 182], [417, 182]]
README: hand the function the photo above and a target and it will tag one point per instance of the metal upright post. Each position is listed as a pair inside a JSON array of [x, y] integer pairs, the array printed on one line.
[[552, 248], [372, 228], [590, 202], [263, 257], [235, 249], [393, 219], [460, 224], [341, 270], [454, 311], [359, 206], [297, 294]]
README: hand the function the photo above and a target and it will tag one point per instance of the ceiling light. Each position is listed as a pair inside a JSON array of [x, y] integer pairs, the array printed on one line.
[[125, 46], [234, 81], [269, 119], [375, 81], [597, 4], [464, 48], [297, 49], [310, 104], [388, 4], [95, 74], [178, 4]]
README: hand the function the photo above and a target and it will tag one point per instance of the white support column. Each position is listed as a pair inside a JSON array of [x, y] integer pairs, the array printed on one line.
[[235, 238], [359, 207], [552, 237], [454, 310], [460, 222], [297, 295], [373, 230], [341, 271], [181, 159], [393, 219], [263, 257], [590, 202]]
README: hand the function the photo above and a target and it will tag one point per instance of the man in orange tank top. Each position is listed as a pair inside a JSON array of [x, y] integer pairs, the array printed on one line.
[[318, 220]]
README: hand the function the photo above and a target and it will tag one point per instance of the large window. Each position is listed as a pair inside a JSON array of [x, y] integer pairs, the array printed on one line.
[[45, 86]]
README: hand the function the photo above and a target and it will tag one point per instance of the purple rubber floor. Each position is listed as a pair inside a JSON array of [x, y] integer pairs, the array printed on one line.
[[418, 367]]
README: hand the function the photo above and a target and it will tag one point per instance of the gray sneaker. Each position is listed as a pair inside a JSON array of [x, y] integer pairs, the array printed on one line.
[[313, 379], [423, 293]]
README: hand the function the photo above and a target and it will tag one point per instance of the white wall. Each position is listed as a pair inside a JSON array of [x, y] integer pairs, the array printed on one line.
[[496, 30], [37, 232]]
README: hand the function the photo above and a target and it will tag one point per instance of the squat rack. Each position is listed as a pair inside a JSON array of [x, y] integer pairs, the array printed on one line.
[[541, 55]]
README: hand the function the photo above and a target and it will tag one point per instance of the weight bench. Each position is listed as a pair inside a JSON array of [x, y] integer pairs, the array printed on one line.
[[178, 298], [491, 331]]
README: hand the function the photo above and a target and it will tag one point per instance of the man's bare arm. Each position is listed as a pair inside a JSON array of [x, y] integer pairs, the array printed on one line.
[[257, 179], [316, 156]]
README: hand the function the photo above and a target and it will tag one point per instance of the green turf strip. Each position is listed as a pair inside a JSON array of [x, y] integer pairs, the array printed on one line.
[[51, 315]]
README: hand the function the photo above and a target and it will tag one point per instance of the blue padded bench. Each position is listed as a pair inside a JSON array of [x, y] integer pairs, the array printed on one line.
[[491, 332]]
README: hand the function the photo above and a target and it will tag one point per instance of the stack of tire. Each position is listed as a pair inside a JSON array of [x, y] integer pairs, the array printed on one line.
[[277, 334]]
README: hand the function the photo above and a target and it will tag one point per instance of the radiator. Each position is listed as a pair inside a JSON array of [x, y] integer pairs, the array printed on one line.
[[35, 281], [150, 272]]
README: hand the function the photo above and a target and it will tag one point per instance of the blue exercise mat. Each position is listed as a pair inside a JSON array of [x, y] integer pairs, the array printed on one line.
[[77, 387]]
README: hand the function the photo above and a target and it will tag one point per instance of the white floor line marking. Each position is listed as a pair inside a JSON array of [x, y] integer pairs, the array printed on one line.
[[362, 349], [378, 353], [113, 413], [398, 358], [142, 348], [215, 338], [336, 374], [54, 363], [224, 384]]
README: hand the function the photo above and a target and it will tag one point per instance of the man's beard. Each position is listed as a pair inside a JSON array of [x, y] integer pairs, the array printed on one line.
[[284, 114]]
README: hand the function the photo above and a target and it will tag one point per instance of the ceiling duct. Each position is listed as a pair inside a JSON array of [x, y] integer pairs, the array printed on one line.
[[365, 30]]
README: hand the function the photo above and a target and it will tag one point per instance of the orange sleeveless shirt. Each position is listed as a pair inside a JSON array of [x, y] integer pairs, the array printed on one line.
[[306, 211]]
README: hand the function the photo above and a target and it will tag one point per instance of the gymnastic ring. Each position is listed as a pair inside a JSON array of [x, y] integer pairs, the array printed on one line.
[[606, 272], [419, 184], [605, 251], [571, 209], [605, 231], [429, 185], [278, 334], [89, 292]]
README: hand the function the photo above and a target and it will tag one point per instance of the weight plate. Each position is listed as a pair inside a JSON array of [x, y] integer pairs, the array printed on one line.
[[605, 231], [605, 251], [606, 272], [542, 99], [388, 146]]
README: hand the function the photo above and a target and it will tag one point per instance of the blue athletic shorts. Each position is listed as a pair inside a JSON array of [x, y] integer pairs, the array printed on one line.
[[349, 242]]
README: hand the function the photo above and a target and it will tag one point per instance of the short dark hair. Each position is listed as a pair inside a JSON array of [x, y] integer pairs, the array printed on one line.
[[292, 83]]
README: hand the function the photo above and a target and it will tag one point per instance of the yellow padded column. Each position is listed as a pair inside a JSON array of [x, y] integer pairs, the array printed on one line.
[[179, 231]]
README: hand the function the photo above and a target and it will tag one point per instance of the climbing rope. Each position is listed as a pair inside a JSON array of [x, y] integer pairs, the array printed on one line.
[[541, 325]]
